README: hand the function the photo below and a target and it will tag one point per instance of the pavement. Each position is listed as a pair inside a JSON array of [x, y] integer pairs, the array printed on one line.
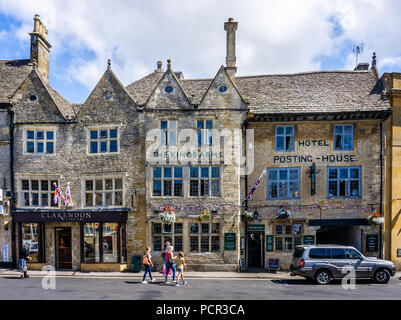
[[278, 275], [252, 275]]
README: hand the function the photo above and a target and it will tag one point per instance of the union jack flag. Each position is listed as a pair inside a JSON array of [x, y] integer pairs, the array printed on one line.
[[250, 194], [57, 193], [67, 196]]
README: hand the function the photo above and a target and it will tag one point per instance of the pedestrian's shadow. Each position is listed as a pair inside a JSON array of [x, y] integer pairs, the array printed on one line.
[[159, 283], [12, 277]]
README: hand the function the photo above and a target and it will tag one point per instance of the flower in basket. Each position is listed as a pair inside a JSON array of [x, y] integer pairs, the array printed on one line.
[[376, 218], [204, 215], [167, 215], [247, 215], [282, 213]]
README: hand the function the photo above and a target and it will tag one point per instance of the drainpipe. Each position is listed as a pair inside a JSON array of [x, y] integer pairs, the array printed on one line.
[[246, 202], [381, 190], [12, 187]]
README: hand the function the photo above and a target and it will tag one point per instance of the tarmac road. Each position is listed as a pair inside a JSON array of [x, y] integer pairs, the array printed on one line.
[[131, 288]]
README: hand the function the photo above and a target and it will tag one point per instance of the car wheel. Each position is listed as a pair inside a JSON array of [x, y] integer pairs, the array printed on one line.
[[323, 277], [382, 276]]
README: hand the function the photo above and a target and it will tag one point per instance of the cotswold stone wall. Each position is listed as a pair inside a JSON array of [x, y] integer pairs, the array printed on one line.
[[314, 144], [227, 212], [72, 162]]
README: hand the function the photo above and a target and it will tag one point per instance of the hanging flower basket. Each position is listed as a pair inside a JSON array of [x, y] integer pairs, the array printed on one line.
[[376, 218], [167, 216], [204, 215], [282, 214], [246, 216]]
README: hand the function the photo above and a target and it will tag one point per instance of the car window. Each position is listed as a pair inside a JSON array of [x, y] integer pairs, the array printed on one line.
[[298, 252], [352, 254], [319, 253], [337, 253]]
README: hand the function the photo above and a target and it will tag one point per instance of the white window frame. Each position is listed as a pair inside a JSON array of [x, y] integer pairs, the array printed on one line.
[[39, 191], [99, 128], [103, 191], [45, 129]]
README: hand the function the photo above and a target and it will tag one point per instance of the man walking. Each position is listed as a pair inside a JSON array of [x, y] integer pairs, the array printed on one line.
[[23, 256]]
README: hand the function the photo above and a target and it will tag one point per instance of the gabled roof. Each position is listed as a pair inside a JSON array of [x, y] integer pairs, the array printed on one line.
[[109, 76], [167, 101], [223, 72], [64, 106], [12, 73], [307, 92]]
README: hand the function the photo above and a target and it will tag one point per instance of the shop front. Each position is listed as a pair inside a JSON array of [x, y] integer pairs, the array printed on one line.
[[86, 240]]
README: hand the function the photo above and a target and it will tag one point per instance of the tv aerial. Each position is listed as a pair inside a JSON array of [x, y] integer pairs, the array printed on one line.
[[357, 49]]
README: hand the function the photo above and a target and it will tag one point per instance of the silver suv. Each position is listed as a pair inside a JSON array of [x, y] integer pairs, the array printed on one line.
[[323, 263]]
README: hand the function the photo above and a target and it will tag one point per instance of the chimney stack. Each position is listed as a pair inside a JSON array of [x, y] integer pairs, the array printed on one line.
[[159, 66], [40, 47], [231, 26]]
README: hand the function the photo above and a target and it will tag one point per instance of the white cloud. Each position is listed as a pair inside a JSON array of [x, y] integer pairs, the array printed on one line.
[[273, 36]]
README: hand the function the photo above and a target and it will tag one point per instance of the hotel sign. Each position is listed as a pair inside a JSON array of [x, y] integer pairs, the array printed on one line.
[[71, 216]]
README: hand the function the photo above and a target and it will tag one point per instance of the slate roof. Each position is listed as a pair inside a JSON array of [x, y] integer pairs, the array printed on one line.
[[308, 92], [12, 73]]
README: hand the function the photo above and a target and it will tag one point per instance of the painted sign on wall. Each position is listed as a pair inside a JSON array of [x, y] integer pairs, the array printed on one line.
[[230, 241]]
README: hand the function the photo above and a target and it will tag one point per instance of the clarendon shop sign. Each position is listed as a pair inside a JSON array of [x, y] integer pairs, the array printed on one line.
[[71, 216]]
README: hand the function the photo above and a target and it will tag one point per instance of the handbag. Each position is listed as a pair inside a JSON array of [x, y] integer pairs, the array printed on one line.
[[145, 260], [165, 269]]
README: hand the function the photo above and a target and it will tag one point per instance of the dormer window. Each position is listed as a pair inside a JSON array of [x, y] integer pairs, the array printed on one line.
[[32, 97], [108, 95], [168, 89]]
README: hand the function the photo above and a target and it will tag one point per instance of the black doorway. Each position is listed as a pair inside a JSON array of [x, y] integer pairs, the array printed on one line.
[[63, 248], [256, 256]]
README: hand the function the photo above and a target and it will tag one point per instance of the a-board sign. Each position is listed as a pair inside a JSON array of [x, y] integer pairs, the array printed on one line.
[[230, 241], [274, 264], [372, 242], [269, 243]]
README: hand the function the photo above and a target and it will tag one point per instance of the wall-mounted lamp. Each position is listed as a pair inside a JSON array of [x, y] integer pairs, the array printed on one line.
[[6, 223]]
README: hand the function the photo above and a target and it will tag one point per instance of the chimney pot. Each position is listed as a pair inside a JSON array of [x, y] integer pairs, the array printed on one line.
[[168, 63]]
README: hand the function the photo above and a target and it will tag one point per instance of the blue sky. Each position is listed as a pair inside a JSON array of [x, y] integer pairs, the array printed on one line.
[[285, 36]]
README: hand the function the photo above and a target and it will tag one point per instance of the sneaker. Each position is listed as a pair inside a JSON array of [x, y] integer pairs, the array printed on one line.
[[185, 282], [144, 281], [177, 285], [153, 280]]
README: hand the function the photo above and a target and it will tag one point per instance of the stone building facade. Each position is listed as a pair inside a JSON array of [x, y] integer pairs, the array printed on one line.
[[392, 240], [193, 144]]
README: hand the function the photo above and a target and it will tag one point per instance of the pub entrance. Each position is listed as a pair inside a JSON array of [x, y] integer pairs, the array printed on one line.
[[63, 248], [256, 249]]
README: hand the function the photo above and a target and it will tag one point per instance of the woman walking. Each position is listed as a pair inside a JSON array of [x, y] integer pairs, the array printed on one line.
[[170, 263], [147, 263], [180, 268]]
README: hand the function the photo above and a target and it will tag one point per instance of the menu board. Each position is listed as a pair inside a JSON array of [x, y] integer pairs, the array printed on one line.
[[309, 239], [230, 241], [372, 242], [269, 243]]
